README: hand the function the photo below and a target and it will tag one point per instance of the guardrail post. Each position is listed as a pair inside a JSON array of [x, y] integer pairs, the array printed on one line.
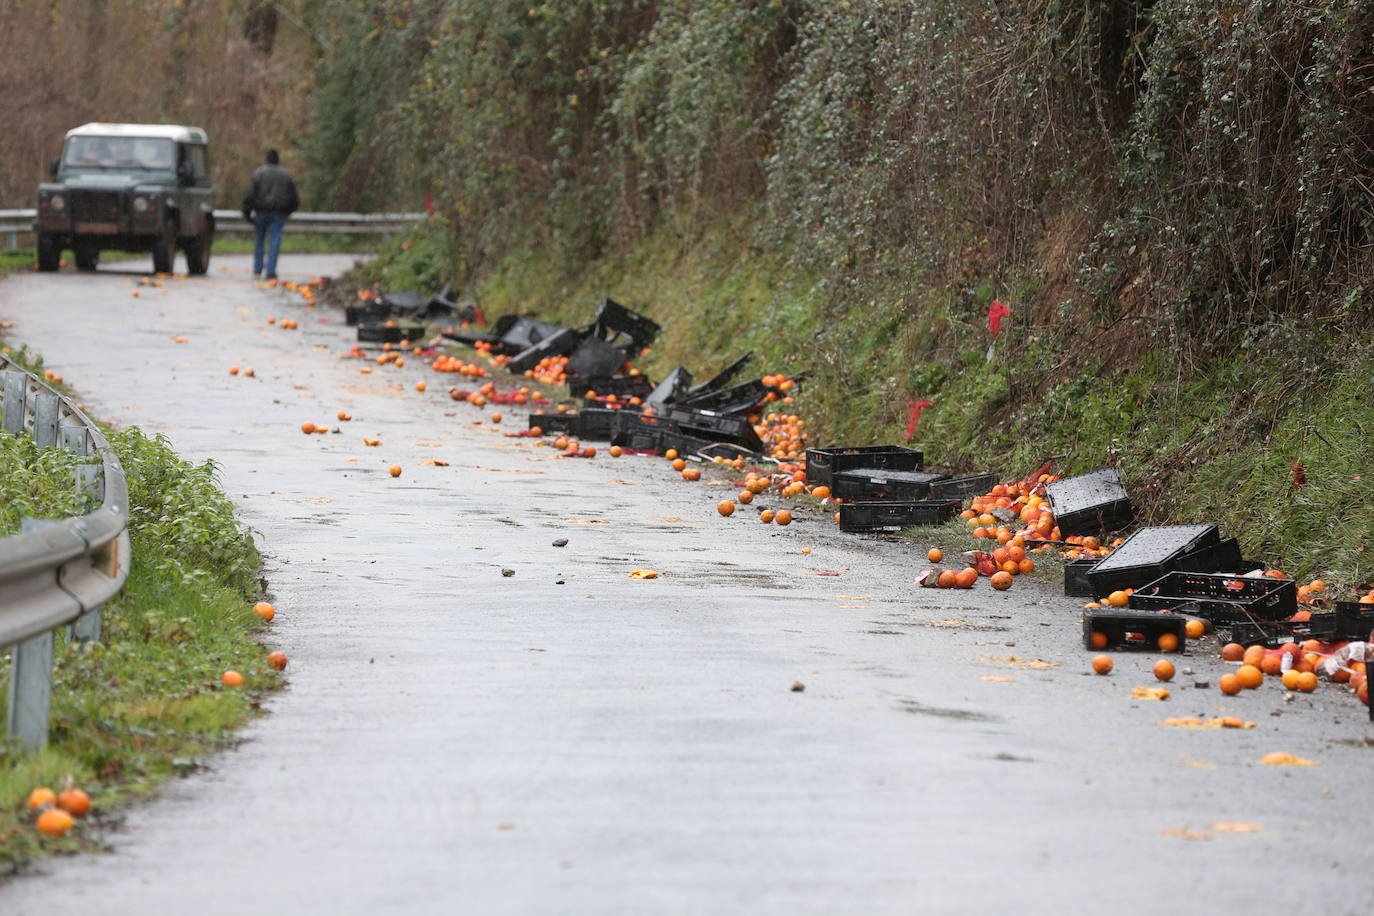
[[15, 386], [31, 679], [45, 420], [76, 440]]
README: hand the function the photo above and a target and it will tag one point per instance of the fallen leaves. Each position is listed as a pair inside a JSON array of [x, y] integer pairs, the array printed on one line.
[[643, 574], [1236, 827], [1183, 833], [998, 678], [1195, 722], [435, 463], [1285, 759]]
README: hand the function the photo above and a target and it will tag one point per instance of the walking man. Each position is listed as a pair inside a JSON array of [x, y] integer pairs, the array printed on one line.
[[271, 198]]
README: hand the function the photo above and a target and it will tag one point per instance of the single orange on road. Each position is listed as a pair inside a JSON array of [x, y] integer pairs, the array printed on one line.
[[1249, 676], [1229, 684], [1102, 664], [277, 661], [1000, 581], [766, 516], [679, 464], [935, 555], [307, 427], [1194, 629], [264, 610], [616, 451], [394, 470], [745, 497], [1164, 670], [231, 679], [691, 474], [725, 507], [783, 517], [1232, 652]]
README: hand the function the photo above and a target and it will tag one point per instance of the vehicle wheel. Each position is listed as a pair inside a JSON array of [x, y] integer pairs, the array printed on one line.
[[165, 248], [49, 254], [198, 251], [87, 257]]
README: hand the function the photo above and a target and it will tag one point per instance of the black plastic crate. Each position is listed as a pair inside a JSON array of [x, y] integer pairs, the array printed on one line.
[[596, 423], [670, 389], [1076, 583], [1148, 554], [894, 516], [1218, 597], [1090, 503], [822, 464], [688, 444], [963, 487], [641, 433], [718, 428], [554, 422], [622, 386], [595, 357], [877, 484], [1119, 624], [1223, 556], [523, 333], [1352, 620], [381, 333], [1275, 633], [614, 320], [720, 380], [560, 344], [741, 398]]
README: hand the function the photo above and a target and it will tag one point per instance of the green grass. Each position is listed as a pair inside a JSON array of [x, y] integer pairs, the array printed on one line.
[[145, 703]]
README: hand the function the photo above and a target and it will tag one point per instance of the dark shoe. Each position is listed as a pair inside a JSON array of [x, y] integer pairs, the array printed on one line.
[[271, 276]]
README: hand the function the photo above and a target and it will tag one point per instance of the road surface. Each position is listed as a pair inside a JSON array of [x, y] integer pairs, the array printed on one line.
[[569, 740]]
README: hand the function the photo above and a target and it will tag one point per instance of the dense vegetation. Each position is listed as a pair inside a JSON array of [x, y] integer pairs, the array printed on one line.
[[1174, 198]]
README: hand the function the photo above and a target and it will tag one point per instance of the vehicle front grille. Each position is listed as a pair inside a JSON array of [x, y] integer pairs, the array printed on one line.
[[95, 206]]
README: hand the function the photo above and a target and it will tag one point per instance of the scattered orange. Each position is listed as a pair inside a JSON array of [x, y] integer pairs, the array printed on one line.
[[745, 496], [1253, 656], [55, 822], [766, 516], [496, 418], [1118, 599], [821, 492], [1232, 652], [394, 470], [671, 454], [1167, 642], [588, 451], [248, 372], [679, 464], [307, 427], [691, 474], [277, 660], [1026, 566], [1307, 682], [616, 451], [1102, 664], [232, 679], [948, 578], [1249, 676], [74, 801], [935, 555], [42, 796], [344, 415], [1000, 581], [1164, 670], [1194, 629], [966, 577], [1290, 678], [1229, 684], [233, 370], [264, 610], [783, 517], [725, 507]]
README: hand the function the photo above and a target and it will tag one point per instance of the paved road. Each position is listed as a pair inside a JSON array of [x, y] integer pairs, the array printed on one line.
[[568, 740]]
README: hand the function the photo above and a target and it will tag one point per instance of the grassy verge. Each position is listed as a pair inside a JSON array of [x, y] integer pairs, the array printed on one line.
[[145, 703]]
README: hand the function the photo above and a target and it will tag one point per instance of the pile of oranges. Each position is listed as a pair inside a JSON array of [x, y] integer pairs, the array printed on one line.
[[552, 370], [1297, 667], [782, 435], [57, 811], [445, 363]]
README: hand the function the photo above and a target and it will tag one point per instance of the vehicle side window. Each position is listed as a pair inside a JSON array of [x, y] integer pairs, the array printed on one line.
[[200, 162]]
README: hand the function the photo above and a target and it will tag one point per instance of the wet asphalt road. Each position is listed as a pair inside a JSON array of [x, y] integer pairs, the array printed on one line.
[[569, 740]]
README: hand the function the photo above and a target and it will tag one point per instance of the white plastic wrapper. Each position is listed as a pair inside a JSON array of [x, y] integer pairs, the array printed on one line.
[[1342, 657]]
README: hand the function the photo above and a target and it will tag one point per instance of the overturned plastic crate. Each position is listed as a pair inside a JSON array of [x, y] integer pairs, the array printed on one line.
[[719, 381], [822, 464], [640, 433], [1219, 597], [741, 398], [560, 344], [622, 386], [963, 487], [594, 357], [670, 389], [1076, 584], [713, 427], [1150, 553], [1130, 629], [389, 333], [1275, 633], [614, 320], [870, 484], [554, 422], [1352, 620], [894, 516], [1090, 503]]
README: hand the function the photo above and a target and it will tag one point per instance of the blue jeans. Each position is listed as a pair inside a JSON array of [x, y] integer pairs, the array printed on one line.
[[267, 224]]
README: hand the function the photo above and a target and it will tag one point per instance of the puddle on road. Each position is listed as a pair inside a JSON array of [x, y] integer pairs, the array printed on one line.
[[917, 708]]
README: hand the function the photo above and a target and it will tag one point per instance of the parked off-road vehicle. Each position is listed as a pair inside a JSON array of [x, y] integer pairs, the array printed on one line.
[[129, 187]]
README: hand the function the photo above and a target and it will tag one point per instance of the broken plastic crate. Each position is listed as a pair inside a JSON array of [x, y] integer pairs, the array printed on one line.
[[593, 356], [1218, 597], [876, 484], [670, 389], [1076, 583], [741, 398], [1274, 633], [1128, 629], [1090, 503], [963, 487], [822, 464], [614, 321], [719, 381], [641, 433], [714, 427], [559, 344], [894, 516], [1150, 553], [622, 386], [389, 333], [554, 422], [589, 423]]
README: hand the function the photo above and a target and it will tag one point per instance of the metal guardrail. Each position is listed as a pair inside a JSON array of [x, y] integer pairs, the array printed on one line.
[[15, 221], [56, 573]]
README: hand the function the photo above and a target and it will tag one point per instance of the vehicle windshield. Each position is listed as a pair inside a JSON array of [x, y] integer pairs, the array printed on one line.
[[119, 153]]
